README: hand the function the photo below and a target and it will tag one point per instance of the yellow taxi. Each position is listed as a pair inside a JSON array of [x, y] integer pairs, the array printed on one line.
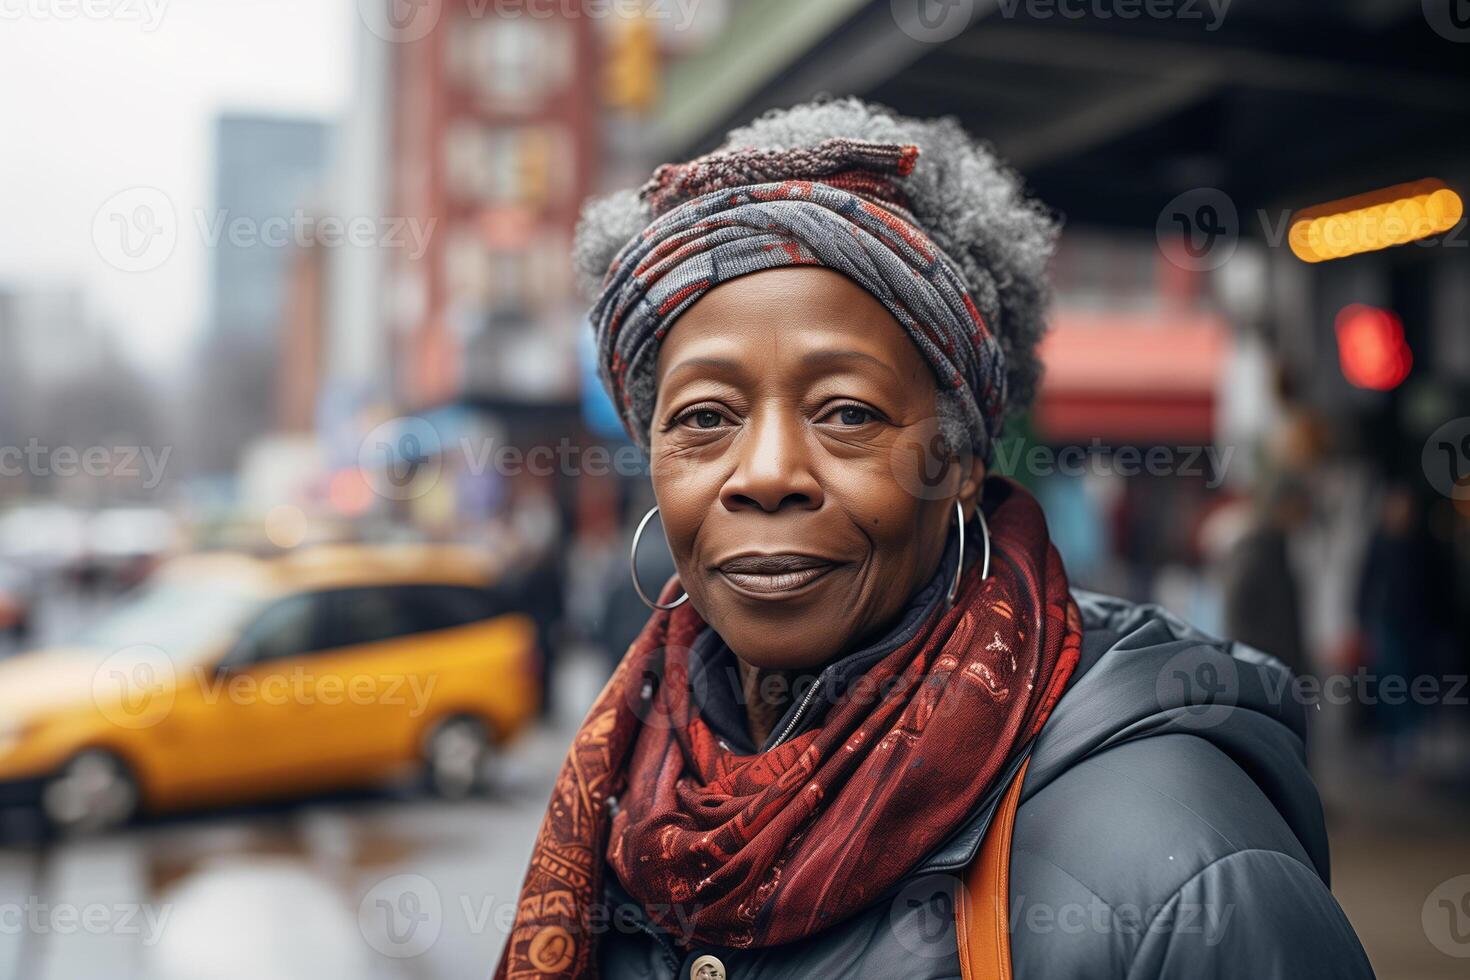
[[230, 678]]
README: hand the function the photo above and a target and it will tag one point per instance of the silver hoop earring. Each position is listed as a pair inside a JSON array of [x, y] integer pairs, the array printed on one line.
[[633, 568], [959, 513]]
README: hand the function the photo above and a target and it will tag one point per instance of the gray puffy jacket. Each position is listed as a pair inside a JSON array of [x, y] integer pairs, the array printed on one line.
[[1168, 828]]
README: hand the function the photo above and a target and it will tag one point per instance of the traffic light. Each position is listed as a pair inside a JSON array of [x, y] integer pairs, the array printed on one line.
[[631, 73], [1371, 348]]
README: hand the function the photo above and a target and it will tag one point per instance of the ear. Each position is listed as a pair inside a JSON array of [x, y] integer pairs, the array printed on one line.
[[970, 487]]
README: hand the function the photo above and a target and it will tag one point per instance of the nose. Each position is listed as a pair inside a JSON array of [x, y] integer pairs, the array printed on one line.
[[774, 468]]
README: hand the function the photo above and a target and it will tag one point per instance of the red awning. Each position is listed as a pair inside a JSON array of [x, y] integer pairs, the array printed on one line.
[[1131, 377]]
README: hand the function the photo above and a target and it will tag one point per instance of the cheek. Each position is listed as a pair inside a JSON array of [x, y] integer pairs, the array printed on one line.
[[685, 493], [899, 523], [908, 503]]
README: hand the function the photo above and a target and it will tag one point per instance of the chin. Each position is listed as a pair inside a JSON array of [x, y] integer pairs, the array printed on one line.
[[782, 639], [801, 629]]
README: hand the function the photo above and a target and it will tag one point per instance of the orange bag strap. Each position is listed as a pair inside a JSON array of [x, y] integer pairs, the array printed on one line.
[[982, 908]]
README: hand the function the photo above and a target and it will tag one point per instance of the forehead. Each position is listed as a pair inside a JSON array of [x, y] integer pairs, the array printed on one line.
[[777, 319]]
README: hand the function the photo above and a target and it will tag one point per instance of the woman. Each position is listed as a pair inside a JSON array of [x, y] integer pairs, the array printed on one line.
[[870, 655]]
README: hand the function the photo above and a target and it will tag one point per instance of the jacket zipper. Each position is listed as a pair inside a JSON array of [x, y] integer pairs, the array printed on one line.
[[800, 710]]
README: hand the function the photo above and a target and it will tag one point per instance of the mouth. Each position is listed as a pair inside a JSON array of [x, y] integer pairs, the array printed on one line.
[[774, 576]]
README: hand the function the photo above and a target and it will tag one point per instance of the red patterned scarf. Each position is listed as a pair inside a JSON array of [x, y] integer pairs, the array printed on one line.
[[769, 848]]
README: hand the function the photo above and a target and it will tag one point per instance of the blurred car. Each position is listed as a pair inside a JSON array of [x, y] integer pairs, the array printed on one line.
[[123, 546], [45, 538], [17, 597], [230, 678]]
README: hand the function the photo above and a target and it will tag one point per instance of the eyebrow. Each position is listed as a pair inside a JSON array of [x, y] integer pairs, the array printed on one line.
[[837, 356], [720, 364], [815, 358]]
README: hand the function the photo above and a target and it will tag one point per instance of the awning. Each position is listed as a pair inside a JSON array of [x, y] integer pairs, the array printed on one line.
[[1136, 377]]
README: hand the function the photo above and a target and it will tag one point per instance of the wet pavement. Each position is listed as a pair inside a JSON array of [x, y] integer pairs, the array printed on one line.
[[1400, 850], [383, 885]]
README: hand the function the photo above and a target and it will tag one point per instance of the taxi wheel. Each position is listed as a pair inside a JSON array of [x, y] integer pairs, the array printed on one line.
[[93, 792], [457, 757]]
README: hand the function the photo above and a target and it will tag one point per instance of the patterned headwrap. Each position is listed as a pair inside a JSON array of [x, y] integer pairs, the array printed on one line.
[[840, 205]]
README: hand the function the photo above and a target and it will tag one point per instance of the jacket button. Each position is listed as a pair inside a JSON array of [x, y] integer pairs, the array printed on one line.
[[707, 968]]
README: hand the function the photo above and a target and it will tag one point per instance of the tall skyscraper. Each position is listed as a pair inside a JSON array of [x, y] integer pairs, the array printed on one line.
[[269, 173]]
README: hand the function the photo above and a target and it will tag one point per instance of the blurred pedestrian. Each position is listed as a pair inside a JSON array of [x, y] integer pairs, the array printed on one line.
[[1262, 600], [535, 525], [1396, 610]]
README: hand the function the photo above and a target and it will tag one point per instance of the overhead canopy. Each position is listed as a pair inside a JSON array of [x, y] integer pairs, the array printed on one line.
[[1279, 103]]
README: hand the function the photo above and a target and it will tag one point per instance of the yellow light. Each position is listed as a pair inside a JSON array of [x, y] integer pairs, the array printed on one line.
[[1379, 219], [631, 73]]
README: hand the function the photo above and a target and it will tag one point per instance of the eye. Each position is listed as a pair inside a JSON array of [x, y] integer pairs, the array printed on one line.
[[701, 418], [850, 415]]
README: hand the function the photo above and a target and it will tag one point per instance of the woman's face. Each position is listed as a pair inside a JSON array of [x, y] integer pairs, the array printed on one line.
[[793, 457]]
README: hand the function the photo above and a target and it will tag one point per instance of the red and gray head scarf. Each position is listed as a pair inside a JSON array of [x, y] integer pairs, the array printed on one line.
[[840, 205]]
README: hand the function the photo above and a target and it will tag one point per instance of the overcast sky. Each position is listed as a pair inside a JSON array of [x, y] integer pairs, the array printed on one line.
[[91, 107]]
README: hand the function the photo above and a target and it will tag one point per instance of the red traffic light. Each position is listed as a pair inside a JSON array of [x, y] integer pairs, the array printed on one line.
[[1371, 347]]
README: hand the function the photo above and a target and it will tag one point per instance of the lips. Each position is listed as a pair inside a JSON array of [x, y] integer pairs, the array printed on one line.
[[774, 576]]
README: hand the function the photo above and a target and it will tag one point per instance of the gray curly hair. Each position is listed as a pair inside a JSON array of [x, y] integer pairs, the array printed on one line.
[[967, 201]]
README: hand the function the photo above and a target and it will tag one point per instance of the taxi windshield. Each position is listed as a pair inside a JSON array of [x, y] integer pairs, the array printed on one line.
[[184, 620]]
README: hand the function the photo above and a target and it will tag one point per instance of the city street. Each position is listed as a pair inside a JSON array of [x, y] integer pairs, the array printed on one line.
[[354, 352], [374, 885]]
